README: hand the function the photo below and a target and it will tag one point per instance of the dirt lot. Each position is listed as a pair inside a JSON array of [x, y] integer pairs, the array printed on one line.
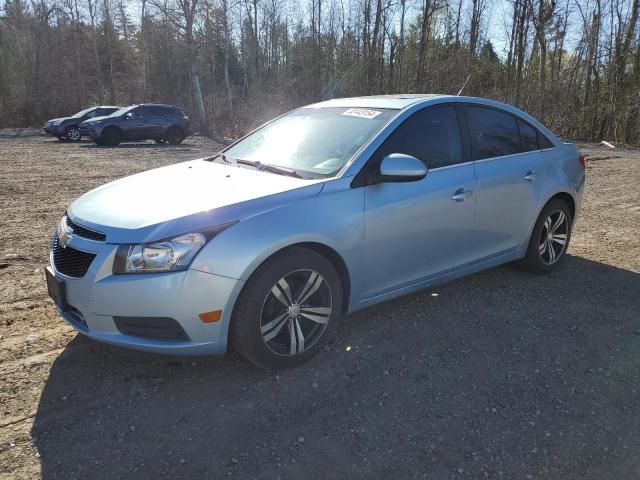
[[499, 375]]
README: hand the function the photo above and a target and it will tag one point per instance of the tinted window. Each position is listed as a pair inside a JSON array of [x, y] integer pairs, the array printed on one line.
[[159, 111], [431, 135], [104, 111], [145, 112], [544, 142], [529, 136], [493, 133]]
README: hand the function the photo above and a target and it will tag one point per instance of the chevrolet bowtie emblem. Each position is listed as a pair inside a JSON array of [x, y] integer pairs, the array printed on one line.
[[63, 234]]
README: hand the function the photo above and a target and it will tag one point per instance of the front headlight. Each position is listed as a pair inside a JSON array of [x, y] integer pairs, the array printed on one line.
[[164, 256], [56, 123]]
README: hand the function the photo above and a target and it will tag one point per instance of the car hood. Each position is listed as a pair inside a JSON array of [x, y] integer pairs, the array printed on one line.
[[184, 197], [94, 120], [61, 119]]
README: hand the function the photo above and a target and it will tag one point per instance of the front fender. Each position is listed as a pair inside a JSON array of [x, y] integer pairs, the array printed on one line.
[[334, 218]]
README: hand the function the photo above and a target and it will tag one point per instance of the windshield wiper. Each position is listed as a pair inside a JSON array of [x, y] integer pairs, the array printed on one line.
[[221, 156], [269, 167]]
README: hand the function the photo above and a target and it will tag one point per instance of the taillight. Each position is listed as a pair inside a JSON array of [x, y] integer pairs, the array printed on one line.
[[583, 162]]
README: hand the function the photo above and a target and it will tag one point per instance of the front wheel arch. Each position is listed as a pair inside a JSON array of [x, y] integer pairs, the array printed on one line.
[[329, 253], [242, 332]]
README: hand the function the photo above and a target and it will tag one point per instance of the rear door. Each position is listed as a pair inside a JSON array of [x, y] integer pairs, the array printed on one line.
[[157, 120], [417, 230], [510, 168]]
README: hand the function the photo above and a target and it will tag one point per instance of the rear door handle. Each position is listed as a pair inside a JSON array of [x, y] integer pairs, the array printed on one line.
[[530, 176], [461, 194]]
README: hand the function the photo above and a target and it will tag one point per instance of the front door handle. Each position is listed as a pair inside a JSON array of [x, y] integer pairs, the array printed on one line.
[[461, 194], [530, 176]]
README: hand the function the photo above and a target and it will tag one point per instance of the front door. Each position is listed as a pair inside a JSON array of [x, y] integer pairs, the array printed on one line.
[[421, 229], [135, 124]]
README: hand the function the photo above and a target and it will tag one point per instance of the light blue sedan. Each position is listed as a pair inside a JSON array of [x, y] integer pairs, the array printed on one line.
[[323, 211]]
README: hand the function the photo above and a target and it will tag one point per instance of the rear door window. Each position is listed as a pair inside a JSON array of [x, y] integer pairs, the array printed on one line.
[[493, 133], [156, 111], [431, 135]]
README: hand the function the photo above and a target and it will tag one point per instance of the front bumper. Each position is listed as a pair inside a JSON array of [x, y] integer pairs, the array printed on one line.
[[93, 131], [99, 296], [54, 131]]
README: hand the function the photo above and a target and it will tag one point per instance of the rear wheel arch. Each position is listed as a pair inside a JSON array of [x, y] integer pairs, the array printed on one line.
[[566, 198]]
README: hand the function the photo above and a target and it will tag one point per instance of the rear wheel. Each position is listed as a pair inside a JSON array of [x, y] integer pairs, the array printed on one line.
[[175, 136], [549, 239], [111, 137], [72, 133], [288, 309]]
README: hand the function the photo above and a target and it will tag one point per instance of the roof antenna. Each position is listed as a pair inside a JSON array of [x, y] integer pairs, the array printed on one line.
[[464, 85]]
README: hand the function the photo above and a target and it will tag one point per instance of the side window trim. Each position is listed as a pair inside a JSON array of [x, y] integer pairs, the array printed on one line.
[[465, 137]]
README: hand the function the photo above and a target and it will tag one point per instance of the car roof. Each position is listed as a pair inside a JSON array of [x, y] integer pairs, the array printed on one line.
[[395, 102], [156, 105]]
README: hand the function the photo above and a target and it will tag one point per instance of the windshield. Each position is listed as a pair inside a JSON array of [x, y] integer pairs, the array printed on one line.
[[82, 113], [121, 111], [313, 140]]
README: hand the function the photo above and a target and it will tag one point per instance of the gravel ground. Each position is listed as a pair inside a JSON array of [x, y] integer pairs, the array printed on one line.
[[498, 375]]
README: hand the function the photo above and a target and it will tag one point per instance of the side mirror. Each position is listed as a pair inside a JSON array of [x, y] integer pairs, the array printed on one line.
[[128, 116], [399, 167]]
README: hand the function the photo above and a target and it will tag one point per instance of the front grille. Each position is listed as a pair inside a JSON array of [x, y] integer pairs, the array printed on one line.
[[83, 231], [157, 328], [69, 261]]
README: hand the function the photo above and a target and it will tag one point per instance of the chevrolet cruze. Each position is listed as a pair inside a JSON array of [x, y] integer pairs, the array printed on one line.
[[323, 211]]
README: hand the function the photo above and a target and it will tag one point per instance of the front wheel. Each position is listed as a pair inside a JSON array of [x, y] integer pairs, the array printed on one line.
[[73, 134], [289, 308], [549, 239], [111, 137]]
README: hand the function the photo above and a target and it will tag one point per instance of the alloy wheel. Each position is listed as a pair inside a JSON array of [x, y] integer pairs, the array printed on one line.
[[73, 134], [295, 312], [553, 237]]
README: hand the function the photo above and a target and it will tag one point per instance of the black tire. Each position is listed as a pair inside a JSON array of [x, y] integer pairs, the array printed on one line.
[[175, 136], [257, 307], [97, 141], [159, 141], [537, 260], [72, 133], [111, 137]]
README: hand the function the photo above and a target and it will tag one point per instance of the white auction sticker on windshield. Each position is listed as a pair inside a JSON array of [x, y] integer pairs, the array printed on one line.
[[362, 113]]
